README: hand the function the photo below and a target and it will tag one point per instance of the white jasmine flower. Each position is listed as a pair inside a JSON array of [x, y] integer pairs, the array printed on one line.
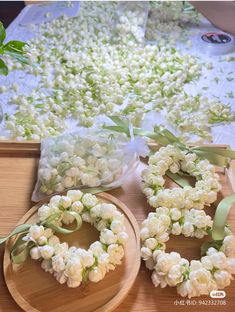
[[35, 253], [60, 277], [229, 246], [157, 253], [58, 263], [175, 275], [96, 274], [122, 237], [65, 202], [107, 237], [144, 233], [187, 229], [89, 200], [74, 282], [95, 211], [107, 211], [44, 212], [53, 240], [218, 260], [97, 249], [151, 243], [48, 233], [73, 268], [207, 263], [200, 279], [158, 279], [164, 263], [87, 217], [117, 226], [211, 251], [186, 289], [116, 253], [46, 251], [42, 240], [61, 249], [102, 224], [146, 253], [77, 206], [175, 214], [230, 265], [176, 228], [36, 231], [222, 278], [86, 257], [46, 265], [74, 195]]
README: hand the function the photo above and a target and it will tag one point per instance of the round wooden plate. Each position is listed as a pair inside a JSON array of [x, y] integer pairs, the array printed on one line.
[[35, 290]]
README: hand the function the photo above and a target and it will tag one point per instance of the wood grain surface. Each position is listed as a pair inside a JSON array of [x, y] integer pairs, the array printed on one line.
[[17, 178]]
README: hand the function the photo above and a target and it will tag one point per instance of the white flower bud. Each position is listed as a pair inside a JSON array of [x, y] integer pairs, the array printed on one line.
[[35, 253], [46, 251]]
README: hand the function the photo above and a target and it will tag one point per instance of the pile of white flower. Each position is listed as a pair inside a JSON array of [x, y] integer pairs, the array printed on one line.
[[74, 160], [82, 72], [213, 271], [173, 159], [167, 19], [131, 22], [70, 264]]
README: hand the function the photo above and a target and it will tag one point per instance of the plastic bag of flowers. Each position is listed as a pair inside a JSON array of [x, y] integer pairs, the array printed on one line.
[[131, 20], [86, 159]]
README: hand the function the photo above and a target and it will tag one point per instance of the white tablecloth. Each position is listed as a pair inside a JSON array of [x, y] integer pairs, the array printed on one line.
[[224, 134]]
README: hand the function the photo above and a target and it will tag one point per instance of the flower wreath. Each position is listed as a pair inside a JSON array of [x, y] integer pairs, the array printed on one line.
[[174, 216], [70, 264], [173, 159]]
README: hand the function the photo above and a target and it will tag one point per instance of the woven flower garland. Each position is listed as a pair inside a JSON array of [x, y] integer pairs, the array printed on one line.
[[179, 212], [173, 159], [70, 264], [198, 277]]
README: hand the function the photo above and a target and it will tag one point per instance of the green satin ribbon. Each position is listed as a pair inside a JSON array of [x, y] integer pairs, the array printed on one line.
[[221, 215], [22, 228], [59, 229], [219, 224], [217, 156], [21, 248], [178, 179]]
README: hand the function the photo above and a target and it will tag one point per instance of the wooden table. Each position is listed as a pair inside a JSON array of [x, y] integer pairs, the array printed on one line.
[[18, 166]]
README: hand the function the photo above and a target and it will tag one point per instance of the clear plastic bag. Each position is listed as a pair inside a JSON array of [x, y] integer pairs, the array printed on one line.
[[88, 158], [131, 20]]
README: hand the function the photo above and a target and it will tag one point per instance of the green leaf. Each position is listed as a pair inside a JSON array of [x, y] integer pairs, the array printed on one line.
[[3, 68], [18, 56], [2, 33], [15, 46]]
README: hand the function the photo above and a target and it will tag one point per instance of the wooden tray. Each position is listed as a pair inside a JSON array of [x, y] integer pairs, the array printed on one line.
[[18, 169], [46, 294]]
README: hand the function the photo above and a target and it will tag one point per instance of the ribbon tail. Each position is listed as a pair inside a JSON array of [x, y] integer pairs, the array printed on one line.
[[19, 229], [178, 179], [221, 215]]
